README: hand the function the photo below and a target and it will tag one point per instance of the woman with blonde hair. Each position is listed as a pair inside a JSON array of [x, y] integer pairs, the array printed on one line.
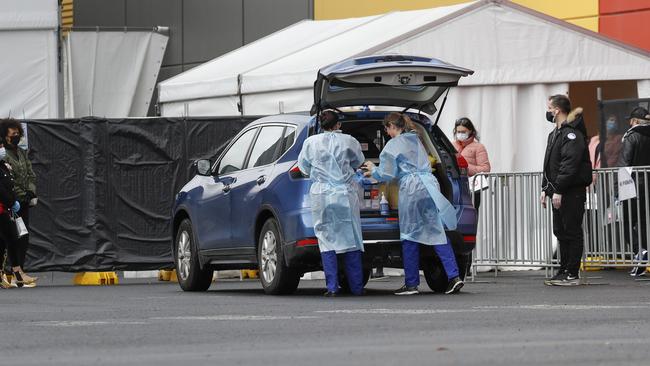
[[423, 211]]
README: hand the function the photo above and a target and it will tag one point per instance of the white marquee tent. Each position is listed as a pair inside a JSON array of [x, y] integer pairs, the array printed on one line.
[[29, 77], [520, 57]]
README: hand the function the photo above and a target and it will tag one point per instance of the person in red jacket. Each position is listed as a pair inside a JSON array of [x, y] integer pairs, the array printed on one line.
[[466, 142]]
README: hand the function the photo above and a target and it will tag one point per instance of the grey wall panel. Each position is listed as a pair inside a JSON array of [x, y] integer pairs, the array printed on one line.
[[211, 28], [263, 17], [168, 13], [191, 66], [102, 13]]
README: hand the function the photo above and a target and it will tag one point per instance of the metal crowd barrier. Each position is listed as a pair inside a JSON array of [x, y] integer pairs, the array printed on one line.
[[515, 232]]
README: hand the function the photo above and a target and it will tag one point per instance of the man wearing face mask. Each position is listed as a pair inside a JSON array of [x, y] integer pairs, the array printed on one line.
[[567, 171], [11, 131], [636, 152]]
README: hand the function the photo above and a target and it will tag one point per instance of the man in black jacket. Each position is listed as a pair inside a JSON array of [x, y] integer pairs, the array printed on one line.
[[567, 171], [636, 152]]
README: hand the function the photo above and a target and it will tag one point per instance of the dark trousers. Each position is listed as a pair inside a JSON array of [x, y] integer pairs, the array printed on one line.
[[353, 270], [637, 221], [16, 247], [567, 227], [411, 259], [8, 242]]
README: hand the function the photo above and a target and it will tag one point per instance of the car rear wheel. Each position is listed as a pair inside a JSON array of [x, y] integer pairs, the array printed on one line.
[[276, 277], [343, 280], [188, 269], [436, 277], [464, 265]]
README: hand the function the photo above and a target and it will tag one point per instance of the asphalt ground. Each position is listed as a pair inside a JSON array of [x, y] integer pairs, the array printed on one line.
[[512, 319]]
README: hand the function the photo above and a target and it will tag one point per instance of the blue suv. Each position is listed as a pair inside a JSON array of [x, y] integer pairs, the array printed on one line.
[[250, 208]]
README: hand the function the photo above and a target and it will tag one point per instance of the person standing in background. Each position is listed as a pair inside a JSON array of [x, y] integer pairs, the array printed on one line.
[[636, 152], [567, 173], [466, 142], [11, 131]]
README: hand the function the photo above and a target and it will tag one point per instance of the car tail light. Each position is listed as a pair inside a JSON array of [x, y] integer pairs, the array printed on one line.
[[306, 242], [469, 238], [295, 172], [462, 164]]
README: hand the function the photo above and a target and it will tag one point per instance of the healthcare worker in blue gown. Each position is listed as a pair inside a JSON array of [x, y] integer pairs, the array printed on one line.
[[331, 159], [423, 211]]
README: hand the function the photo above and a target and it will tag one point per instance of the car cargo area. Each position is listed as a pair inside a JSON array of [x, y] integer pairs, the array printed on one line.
[[372, 137]]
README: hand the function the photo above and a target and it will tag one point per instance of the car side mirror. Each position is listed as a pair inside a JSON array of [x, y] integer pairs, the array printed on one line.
[[203, 167]]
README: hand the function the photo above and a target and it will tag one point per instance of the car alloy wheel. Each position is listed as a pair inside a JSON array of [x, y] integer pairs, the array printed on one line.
[[184, 255], [269, 256]]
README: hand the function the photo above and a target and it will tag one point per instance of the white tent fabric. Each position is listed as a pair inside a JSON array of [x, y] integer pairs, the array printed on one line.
[[111, 74], [219, 77], [520, 57], [643, 88], [510, 120], [28, 38]]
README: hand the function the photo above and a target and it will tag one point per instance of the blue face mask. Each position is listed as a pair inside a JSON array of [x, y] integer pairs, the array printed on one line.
[[611, 125]]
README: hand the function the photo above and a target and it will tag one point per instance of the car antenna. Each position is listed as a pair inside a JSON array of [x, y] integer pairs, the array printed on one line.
[[441, 107]]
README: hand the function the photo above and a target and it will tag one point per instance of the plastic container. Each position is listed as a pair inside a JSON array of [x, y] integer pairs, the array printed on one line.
[[383, 205]]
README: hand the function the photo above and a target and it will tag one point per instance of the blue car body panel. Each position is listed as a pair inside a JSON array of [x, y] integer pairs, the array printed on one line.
[[231, 220]]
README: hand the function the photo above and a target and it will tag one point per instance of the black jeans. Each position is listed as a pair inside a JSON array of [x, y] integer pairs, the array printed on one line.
[[637, 221], [8, 240], [16, 247], [567, 227]]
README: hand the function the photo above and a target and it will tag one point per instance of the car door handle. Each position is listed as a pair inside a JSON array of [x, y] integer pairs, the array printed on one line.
[[226, 188], [261, 180]]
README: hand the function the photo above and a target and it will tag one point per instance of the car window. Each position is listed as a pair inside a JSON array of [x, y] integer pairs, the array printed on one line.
[[234, 158], [289, 138], [268, 143]]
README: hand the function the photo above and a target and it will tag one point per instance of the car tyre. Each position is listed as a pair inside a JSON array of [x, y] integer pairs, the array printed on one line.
[[276, 277], [186, 258], [435, 276], [343, 280], [464, 265]]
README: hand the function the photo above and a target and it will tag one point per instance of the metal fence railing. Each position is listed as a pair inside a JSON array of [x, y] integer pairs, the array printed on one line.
[[514, 231]]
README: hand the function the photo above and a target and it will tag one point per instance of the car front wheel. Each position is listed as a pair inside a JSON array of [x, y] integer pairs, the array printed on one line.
[[188, 269], [276, 277]]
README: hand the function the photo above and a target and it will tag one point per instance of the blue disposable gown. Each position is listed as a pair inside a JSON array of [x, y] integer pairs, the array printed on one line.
[[330, 160], [423, 210]]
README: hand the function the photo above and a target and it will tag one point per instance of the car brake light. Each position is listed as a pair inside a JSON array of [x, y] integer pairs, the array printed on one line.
[[469, 238], [306, 242], [295, 172], [462, 164]]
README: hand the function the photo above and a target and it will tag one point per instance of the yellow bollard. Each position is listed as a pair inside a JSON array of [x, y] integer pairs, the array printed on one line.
[[592, 264], [249, 273], [95, 279], [167, 275]]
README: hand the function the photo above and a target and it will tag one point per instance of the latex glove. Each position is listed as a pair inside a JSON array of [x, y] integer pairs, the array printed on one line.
[[16, 207], [557, 201], [33, 202], [368, 167], [542, 199]]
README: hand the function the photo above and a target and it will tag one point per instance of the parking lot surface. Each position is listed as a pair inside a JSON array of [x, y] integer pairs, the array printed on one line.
[[512, 319]]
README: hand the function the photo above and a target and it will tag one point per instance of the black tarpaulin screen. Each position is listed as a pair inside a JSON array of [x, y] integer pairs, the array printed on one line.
[[106, 188]]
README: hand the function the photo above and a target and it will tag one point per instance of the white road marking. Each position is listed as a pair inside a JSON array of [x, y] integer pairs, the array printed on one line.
[[83, 323], [562, 307], [401, 311], [234, 317], [476, 309]]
